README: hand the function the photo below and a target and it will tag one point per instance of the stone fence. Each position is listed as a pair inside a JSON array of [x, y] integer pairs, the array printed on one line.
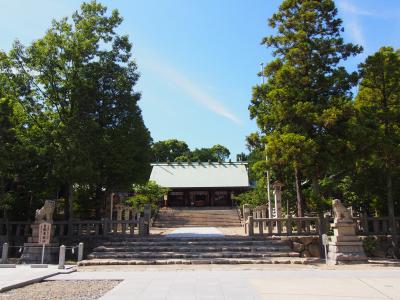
[[78, 228], [374, 225], [294, 226], [282, 226]]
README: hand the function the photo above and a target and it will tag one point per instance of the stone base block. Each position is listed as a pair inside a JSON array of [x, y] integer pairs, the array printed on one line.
[[345, 238], [346, 252], [32, 253]]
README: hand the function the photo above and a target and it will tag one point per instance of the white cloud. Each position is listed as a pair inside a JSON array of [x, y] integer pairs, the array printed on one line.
[[353, 13], [356, 32], [192, 89], [349, 7]]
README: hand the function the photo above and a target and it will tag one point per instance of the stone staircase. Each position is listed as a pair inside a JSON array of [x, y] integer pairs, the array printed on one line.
[[219, 250], [197, 216]]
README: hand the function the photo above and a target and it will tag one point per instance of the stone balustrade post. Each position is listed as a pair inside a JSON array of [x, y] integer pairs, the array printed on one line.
[[80, 251], [119, 218], [4, 254], [289, 225], [250, 226], [143, 227], [147, 212], [246, 214], [364, 222], [246, 211], [61, 257]]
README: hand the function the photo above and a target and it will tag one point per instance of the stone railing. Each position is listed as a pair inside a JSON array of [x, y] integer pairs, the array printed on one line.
[[375, 225], [260, 212], [79, 228], [294, 226], [15, 228], [282, 226], [96, 228]]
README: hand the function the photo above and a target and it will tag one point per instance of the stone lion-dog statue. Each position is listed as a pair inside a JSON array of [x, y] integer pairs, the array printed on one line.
[[46, 212], [340, 212]]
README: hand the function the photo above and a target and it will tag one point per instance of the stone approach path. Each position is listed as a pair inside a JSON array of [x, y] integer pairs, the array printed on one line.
[[194, 232], [238, 283]]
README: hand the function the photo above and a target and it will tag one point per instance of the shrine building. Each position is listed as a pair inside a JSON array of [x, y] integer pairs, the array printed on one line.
[[201, 183]]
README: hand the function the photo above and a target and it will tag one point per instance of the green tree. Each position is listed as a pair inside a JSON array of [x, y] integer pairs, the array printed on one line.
[[202, 154], [149, 192], [378, 107], [215, 153], [255, 197], [169, 150], [307, 95], [80, 79], [220, 152], [8, 140]]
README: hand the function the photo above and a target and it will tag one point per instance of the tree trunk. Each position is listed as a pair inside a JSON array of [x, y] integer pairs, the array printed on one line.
[[316, 192], [70, 202], [392, 221], [2, 192], [300, 211], [315, 186], [99, 200], [63, 193]]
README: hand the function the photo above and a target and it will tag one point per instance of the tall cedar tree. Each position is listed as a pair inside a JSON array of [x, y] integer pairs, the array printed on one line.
[[378, 107], [305, 103], [81, 77]]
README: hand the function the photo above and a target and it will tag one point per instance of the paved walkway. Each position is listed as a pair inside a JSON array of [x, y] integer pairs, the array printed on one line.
[[238, 231], [369, 283], [194, 232], [23, 275]]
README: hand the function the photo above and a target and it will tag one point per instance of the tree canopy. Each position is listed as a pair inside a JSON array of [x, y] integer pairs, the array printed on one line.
[[178, 151], [81, 119], [304, 106]]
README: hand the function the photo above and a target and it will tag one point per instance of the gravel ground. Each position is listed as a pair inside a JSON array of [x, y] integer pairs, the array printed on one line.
[[65, 290]]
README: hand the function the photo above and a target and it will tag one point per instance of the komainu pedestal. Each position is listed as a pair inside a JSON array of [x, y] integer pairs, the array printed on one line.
[[33, 248], [345, 245]]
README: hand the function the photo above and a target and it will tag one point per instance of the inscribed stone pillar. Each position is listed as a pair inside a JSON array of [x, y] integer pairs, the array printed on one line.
[[278, 198]]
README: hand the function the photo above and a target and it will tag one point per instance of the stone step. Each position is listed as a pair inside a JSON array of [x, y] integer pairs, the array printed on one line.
[[203, 217], [197, 219], [164, 238], [175, 219], [187, 248], [193, 242], [186, 219], [208, 215], [267, 260], [189, 255], [194, 220], [177, 225]]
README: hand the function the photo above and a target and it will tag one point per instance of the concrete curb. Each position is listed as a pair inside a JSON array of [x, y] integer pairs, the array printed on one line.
[[37, 279]]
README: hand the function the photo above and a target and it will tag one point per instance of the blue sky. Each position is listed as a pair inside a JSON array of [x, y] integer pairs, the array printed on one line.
[[199, 59]]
